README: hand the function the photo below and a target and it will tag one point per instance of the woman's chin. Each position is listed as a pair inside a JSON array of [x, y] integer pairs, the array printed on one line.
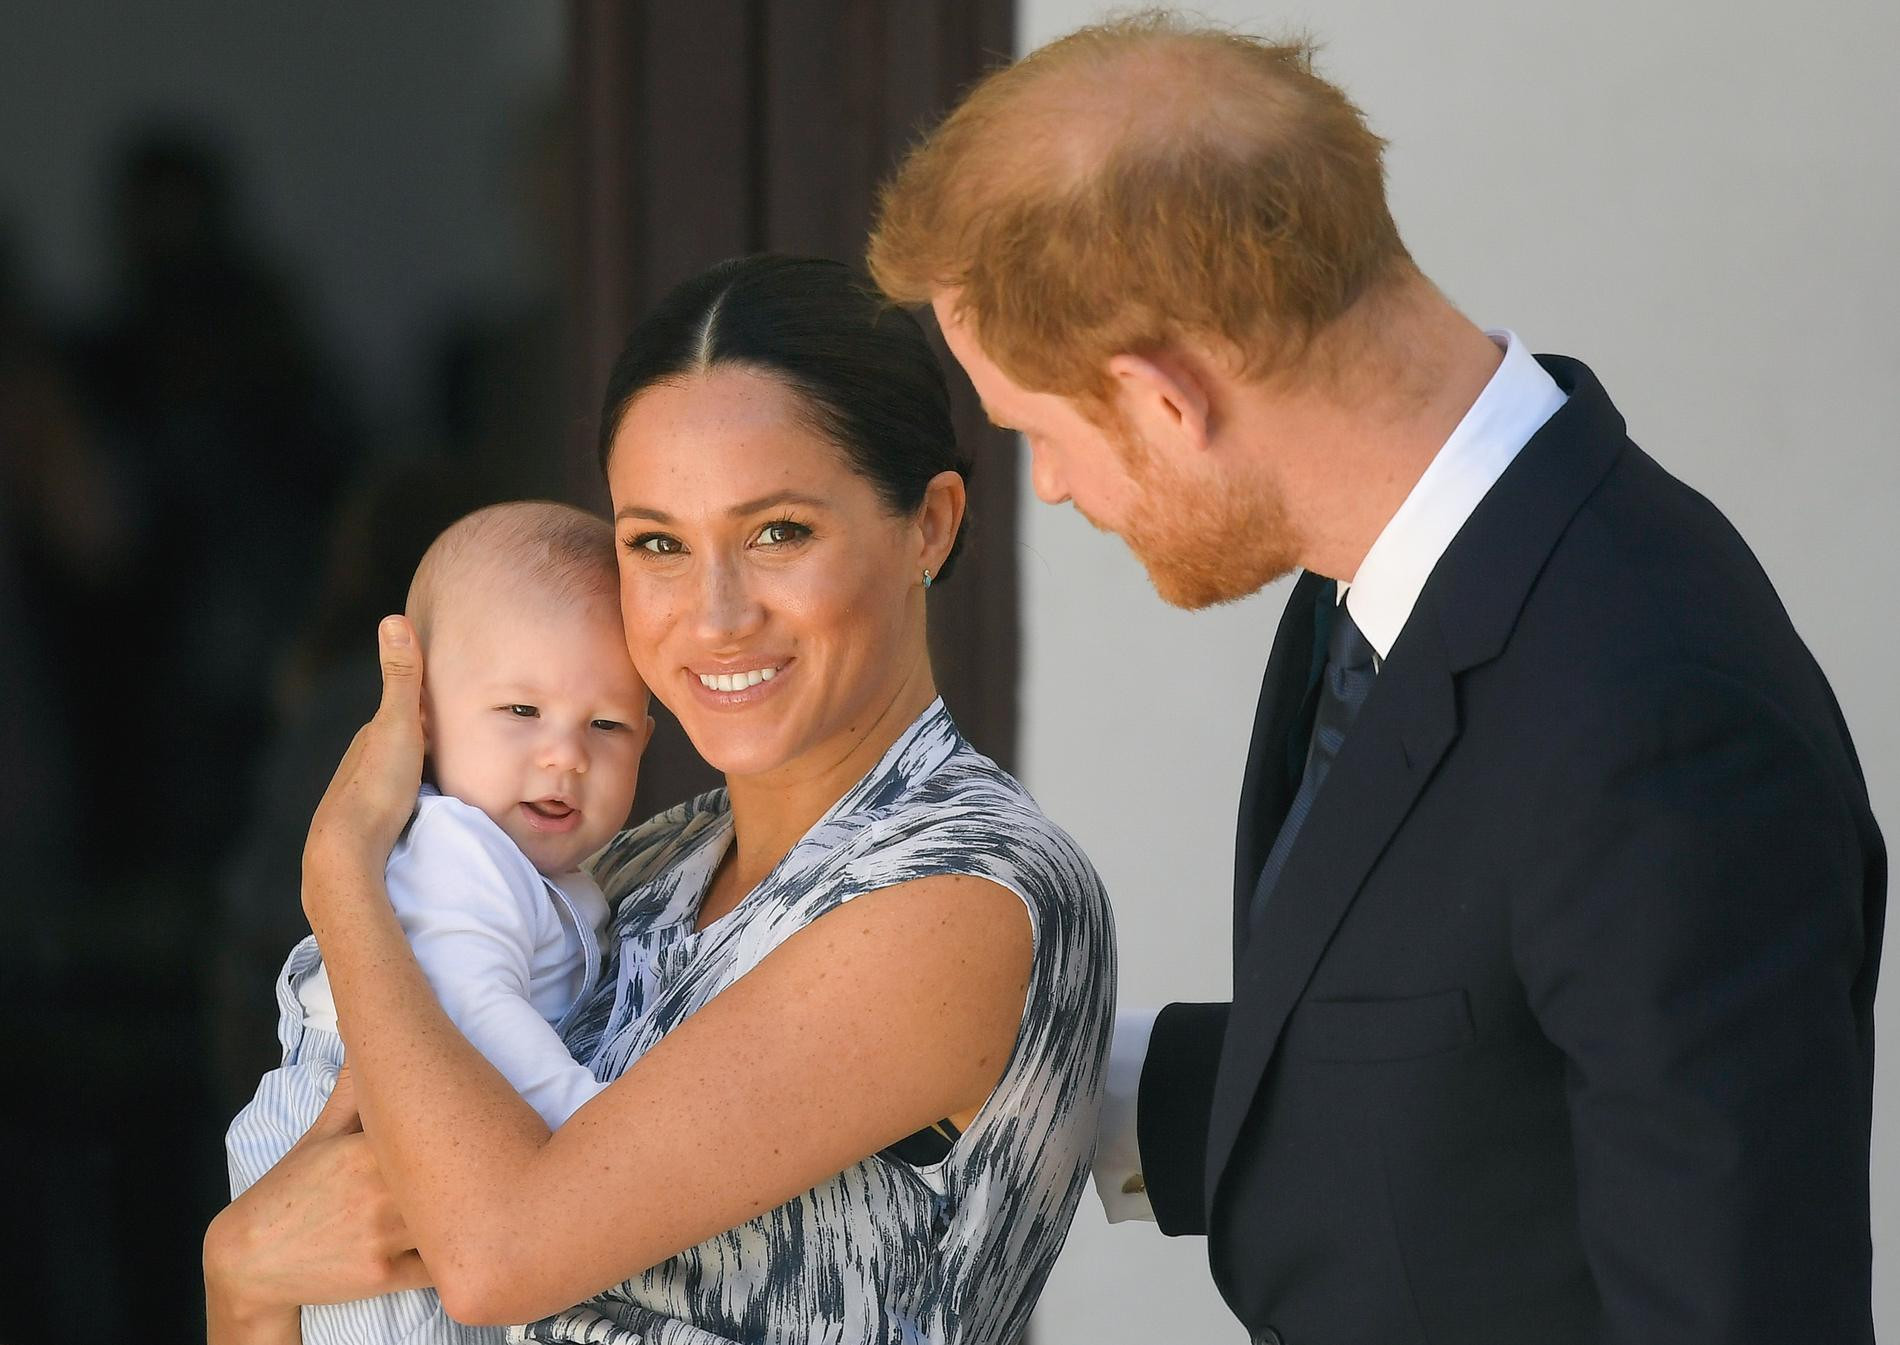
[[736, 759], [743, 762]]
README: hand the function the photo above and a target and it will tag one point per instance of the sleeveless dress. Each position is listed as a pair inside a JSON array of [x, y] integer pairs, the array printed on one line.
[[952, 1253]]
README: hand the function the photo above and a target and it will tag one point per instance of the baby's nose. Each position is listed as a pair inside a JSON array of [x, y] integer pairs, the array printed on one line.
[[563, 752]]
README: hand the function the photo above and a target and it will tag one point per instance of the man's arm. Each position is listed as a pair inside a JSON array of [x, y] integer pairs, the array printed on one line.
[[1176, 1054], [1691, 933], [1120, 1183]]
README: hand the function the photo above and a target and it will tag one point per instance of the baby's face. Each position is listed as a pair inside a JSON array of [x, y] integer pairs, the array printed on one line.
[[535, 715]]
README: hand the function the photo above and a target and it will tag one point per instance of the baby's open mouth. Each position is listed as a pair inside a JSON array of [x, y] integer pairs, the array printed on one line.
[[554, 810]]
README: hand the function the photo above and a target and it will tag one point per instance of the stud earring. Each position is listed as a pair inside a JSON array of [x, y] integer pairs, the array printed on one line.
[[926, 578]]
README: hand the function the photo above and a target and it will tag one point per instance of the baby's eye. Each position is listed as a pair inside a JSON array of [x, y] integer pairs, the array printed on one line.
[[781, 531], [608, 725], [523, 711], [656, 544]]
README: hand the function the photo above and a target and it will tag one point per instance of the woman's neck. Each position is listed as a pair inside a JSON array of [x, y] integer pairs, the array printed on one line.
[[770, 812]]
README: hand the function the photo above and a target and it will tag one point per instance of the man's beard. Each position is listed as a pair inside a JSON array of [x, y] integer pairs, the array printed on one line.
[[1202, 544]]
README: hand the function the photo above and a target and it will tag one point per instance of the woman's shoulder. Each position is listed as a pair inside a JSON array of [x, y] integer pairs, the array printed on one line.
[[970, 816]]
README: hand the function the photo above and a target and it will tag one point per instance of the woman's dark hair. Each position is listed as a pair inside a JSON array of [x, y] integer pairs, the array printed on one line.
[[867, 377]]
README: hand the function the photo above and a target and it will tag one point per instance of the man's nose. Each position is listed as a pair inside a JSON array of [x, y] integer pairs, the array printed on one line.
[[1050, 487]]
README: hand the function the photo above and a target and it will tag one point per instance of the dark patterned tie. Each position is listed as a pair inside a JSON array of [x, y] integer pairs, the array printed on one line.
[[1344, 682]]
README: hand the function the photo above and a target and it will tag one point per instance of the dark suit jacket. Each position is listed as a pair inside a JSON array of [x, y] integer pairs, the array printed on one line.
[[1558, 1027]]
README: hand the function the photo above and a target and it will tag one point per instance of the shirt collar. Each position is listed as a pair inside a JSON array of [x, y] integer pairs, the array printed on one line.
[[1513, 406]]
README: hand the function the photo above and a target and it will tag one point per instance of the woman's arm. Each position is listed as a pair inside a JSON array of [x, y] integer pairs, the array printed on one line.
[[897, 1009], [320, 1226]]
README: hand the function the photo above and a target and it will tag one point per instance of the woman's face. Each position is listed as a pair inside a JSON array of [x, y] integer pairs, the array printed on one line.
[[771, 600]]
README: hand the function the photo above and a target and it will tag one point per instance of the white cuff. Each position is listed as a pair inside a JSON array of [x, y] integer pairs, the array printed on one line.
[[1118, 1177]]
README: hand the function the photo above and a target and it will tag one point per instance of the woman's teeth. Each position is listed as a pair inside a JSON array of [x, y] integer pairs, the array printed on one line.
[[736, 681]]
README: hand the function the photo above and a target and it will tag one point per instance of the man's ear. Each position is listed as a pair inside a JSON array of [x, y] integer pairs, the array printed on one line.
[[1165, 398]]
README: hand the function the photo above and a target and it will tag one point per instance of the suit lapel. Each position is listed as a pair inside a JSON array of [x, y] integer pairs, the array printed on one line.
[[1463, 618], [1409, 720], [1265, 791]]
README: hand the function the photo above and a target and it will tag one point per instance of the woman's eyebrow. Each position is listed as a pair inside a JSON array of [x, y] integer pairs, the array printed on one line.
[[773, 500], [764, 502]]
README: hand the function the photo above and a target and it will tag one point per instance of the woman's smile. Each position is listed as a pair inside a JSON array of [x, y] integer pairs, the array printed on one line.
[[739, 687]]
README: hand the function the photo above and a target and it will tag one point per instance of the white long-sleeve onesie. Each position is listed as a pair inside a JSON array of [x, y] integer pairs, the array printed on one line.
[[508, 951]]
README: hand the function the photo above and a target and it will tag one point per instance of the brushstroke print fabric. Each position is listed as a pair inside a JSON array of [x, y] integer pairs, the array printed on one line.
[[884, 1252]]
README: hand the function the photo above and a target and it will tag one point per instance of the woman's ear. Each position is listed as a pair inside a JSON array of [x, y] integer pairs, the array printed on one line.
[[939, 518]]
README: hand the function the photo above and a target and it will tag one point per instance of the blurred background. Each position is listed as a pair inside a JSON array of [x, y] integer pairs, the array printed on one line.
[[286, 288]]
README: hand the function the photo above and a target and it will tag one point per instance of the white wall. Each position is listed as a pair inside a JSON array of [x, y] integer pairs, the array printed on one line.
[[1700, 199]]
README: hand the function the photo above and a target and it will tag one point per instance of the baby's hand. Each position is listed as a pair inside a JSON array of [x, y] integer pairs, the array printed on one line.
[[374, 789]]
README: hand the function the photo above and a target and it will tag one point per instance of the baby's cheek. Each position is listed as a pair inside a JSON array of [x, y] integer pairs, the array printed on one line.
[[459, 774], [625, 778]]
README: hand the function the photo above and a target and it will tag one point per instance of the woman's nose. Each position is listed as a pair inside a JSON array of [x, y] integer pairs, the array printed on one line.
[[726, 609]]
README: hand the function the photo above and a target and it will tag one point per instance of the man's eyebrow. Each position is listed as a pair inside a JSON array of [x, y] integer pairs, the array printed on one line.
[[737, 511]]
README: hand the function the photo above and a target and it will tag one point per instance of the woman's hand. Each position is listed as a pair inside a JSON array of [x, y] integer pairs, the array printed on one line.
[[320, 1227], [374, 790]]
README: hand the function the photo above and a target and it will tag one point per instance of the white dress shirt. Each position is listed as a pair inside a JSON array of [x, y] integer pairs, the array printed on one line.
[[1514, 405]]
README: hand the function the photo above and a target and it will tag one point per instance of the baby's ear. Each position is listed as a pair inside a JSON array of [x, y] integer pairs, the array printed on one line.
[[428, 739]]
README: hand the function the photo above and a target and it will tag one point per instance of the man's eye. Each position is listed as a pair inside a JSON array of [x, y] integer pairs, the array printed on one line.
[[656, 544], [608, 725], [523, 711], [780, 531]]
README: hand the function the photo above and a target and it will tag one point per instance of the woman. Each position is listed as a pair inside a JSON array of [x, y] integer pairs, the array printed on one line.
[[859, 1001]]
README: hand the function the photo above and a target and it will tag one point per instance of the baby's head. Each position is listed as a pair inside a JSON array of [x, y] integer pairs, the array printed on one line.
[[532, 710]]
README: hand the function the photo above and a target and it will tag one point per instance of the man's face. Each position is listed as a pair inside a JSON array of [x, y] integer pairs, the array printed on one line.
[[1203, 535], [536, 716]]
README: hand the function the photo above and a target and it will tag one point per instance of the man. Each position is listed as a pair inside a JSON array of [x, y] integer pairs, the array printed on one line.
[[1558, 902]]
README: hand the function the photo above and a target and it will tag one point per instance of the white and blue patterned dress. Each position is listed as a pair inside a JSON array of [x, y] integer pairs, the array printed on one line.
[[887, 1252]]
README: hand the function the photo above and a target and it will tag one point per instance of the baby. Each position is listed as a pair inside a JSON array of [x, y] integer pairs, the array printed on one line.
[[535, 721]]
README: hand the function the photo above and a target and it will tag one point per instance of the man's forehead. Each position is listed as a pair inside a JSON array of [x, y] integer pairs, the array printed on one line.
[[961, 338], [948, 306]]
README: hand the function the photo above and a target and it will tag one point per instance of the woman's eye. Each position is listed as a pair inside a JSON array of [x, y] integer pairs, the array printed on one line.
[[656, 544], [781, 531], [523, 711]]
